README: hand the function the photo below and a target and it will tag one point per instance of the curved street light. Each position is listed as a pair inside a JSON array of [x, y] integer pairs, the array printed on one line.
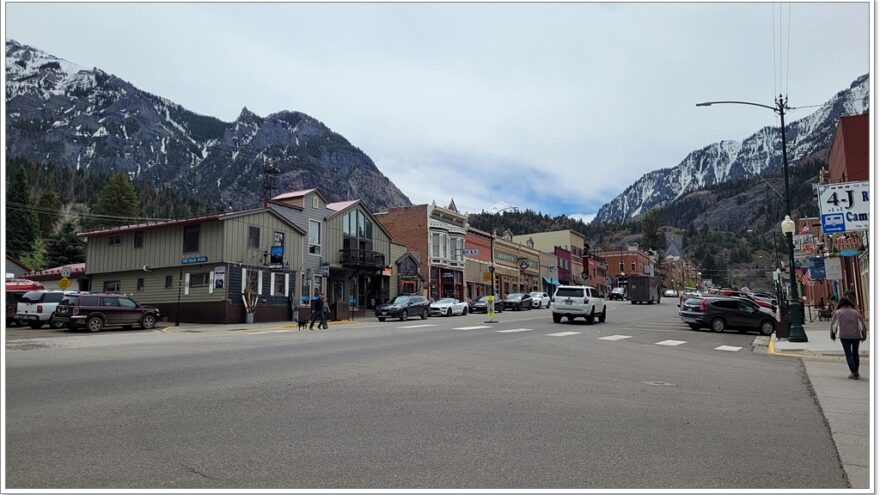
[[796, 332]]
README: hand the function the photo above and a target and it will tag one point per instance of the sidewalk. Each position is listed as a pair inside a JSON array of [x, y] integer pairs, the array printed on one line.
[[845, 403], [168, 326]]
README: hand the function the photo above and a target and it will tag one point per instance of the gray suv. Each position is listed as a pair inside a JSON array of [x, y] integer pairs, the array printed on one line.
[[403, 307]]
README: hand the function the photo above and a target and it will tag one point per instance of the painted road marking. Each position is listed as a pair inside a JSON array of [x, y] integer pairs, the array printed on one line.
[[615, 337], [269, 331], [672, 342], [418, 326], [515, 330], [729, 348], [562, 334], [472, 328]]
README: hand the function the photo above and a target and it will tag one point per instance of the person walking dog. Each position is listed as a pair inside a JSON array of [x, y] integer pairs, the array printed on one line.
[[318, 312], [847, 324]]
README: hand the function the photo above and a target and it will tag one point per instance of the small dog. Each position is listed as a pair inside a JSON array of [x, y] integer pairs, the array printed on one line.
[[302, 324]]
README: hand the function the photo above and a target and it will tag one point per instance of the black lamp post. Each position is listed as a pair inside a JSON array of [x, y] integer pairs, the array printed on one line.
[[492, 251], [796, 332]]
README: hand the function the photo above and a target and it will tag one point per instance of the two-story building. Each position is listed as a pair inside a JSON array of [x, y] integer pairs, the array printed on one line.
[[568, 240], [478, 263], [197, 269], [517, 266], [437, 234], [625, 261], [359, 251]]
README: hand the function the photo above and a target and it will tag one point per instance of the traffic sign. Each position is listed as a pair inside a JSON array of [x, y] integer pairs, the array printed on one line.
[[487, 276], [65, 271], [64, 283]]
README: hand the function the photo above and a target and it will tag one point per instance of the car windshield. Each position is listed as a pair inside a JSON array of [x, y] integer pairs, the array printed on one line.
[[69, 300], [446, 301], [401, 300], [617, 290], [514, 296], [482, 299]]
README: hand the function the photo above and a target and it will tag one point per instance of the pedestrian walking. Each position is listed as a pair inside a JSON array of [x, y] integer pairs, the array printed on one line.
[[318, 312], [847, 324]]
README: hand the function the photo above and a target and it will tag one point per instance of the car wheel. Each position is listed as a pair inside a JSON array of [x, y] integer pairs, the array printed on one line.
[[449, 312], [718, 325], [403, 315], [148, 322], [603, 314], [464, 312], [57, 325], [694, 326], [557, 318], [381, 319], [35, 324], [767, 327], [591, 317], [632, 302], [95, 324], [424, 314]]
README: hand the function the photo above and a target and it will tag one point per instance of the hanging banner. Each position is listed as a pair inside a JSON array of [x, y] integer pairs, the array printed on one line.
[[833, 270], [804, 245], [844, 207], [219, 276]]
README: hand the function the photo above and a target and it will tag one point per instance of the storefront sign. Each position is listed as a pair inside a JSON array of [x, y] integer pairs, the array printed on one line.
[[523, 264], [804, 245], [506, 257], [848, 244], [196, 259], [844, 207]]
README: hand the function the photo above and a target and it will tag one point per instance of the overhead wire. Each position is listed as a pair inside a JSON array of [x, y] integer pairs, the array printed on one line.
[[788, 52]]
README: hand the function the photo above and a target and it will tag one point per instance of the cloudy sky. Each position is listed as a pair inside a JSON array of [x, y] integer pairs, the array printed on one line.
[[553, 107]]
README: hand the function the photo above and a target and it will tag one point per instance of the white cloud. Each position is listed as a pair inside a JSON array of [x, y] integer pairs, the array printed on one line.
[[541, 104]]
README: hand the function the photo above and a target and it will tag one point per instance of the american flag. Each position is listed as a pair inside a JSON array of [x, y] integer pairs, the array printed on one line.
[[806, 276]]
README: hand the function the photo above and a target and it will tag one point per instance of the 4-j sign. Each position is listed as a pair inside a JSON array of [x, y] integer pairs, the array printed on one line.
[[844, 207]]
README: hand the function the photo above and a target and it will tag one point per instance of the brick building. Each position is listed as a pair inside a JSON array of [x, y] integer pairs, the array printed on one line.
[[625, 261], [477, 261], [437, 234]]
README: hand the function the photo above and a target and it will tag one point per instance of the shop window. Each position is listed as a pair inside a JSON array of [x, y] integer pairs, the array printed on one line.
[[140, 284], [190, 238], [253, 237], [199, 279], [112, 286], [279, 283], [169, 281], [114, 240], [139, 239]]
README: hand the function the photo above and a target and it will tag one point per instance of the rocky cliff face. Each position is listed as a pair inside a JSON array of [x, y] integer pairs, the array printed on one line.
[[83, 118], [732, 160]]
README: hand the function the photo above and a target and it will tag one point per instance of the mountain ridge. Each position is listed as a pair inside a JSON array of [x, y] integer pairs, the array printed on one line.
[[63, 113], [728, 160]]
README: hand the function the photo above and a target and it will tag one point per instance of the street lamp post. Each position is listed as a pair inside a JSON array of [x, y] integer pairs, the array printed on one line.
[[796, 332], [492, 251]]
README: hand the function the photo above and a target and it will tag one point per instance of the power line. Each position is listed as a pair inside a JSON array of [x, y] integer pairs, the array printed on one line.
[[788, 52]]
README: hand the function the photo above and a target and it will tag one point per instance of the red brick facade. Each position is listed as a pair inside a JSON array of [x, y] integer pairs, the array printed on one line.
[[409, 226]]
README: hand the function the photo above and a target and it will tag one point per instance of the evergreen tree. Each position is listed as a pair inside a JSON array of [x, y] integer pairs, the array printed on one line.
[[650, 227], [119, 199], [21, 222], [36, 256], [49, 210], [64, 247]]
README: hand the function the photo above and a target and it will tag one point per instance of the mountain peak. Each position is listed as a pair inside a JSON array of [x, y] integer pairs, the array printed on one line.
[[247, 116]]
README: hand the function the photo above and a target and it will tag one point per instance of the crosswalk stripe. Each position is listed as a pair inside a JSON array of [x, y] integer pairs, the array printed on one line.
[[515, 330], [615, 337], [730, 348], [562, 334], [472, 328], [672, 342], [417, 326]]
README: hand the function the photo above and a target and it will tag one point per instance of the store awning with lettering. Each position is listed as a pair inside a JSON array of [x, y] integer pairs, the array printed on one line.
[[551, 280]]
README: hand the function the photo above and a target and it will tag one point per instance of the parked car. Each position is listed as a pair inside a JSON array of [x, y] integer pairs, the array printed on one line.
[[448, 307], [540, 299], [517, 301], [96, 311], [577, 301], [403, 307], [721, 313], [37, 308], [15, 288], [669, 293], [480, 305], [618, 293]]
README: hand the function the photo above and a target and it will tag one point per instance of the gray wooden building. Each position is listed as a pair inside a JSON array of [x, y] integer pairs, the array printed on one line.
[[194, 267]]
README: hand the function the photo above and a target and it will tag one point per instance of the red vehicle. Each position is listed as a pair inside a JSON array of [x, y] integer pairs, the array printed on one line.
[[15, 288]]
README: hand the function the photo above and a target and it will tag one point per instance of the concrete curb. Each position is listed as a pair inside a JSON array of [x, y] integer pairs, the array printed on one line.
[[805, 354]]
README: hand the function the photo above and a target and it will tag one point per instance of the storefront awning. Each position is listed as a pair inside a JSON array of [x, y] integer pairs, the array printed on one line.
[[551, 280]]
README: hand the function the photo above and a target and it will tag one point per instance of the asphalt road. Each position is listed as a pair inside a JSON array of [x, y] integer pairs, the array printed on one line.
[[372, 405]]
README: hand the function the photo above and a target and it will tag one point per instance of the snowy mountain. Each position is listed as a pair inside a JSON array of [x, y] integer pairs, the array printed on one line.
[[58, 112], [730, 160]]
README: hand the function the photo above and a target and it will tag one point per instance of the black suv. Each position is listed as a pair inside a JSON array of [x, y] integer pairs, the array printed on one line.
[[95, 311], [720, 313], [403, 307]]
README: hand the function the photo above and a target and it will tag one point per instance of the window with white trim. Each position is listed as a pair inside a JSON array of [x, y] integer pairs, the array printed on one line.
[[435, 245], [314, 237]]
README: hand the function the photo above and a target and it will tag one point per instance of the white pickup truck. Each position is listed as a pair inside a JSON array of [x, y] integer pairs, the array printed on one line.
[[36, 308], [577, 301]]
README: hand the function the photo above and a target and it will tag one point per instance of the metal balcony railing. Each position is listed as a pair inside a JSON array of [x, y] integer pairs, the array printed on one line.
[[361, 258]]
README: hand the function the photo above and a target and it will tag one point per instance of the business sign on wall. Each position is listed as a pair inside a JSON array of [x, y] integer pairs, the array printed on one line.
[[804, 245], [833, 269], [844, 207]]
